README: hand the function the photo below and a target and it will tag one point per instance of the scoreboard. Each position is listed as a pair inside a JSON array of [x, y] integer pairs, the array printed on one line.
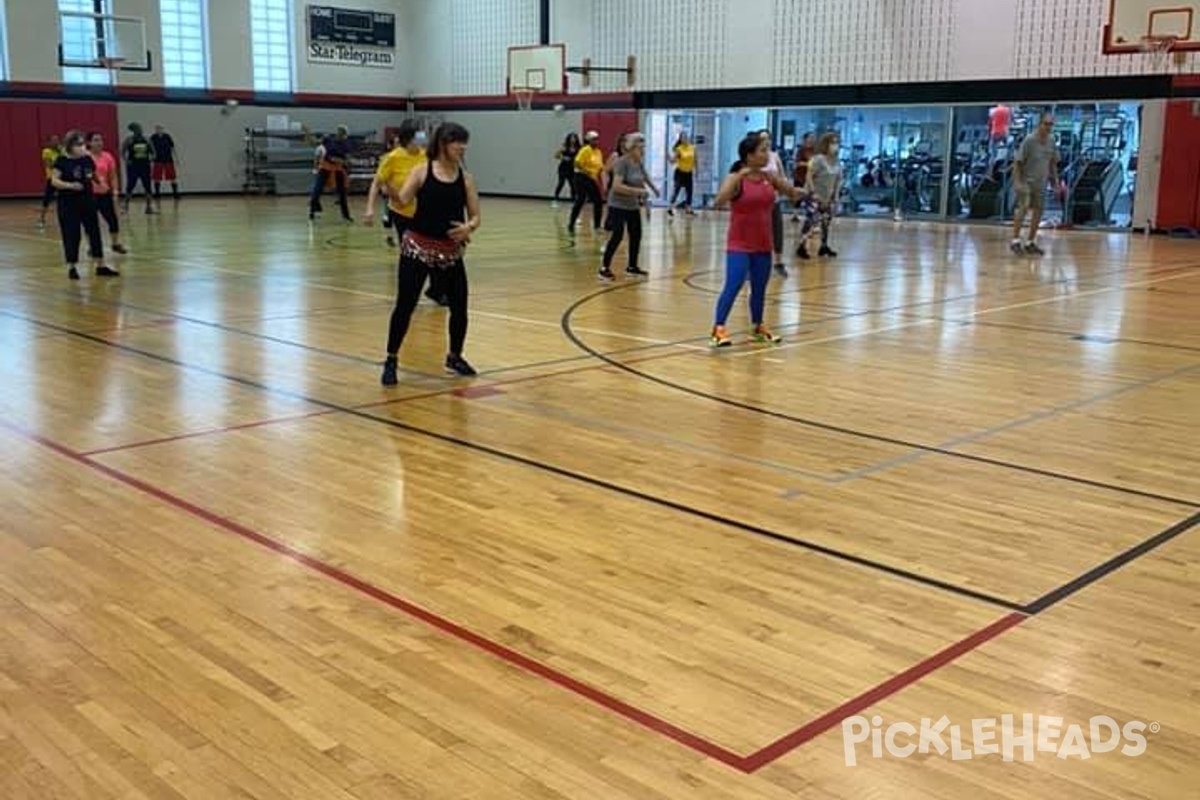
[[351, 26]]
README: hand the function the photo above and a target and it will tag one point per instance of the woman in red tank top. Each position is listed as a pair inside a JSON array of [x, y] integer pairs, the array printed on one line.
[[750, 193]]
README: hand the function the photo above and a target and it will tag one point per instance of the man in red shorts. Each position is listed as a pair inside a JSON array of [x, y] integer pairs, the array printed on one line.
[[164, 162]]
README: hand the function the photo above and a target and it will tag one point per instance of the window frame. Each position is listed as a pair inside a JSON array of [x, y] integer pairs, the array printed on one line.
[[177, 61]]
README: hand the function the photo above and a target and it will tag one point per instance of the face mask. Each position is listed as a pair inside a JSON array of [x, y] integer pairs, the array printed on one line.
[[420, 138]]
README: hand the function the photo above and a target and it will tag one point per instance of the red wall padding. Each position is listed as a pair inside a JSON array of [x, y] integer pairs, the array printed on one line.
[[1179, 180], [610, 125], [24, 126]]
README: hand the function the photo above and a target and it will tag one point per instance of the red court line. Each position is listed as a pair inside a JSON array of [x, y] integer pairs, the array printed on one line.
[[900, 680], [211, 431], [746, 764]]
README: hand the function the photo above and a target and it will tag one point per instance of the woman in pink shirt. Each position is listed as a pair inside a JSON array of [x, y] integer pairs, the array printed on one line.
[[106, 185], [750, 193]]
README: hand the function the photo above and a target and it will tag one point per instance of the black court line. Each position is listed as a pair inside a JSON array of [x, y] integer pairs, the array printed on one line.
[[375, 362], [1061, 332], [826, 426], [1085, 580], [850, 558]]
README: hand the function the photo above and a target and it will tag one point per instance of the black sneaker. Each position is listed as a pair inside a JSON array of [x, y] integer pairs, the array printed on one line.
[[391, 242], [781, 270], [73, 274], [389, 372], [457, 365], [606, 274], [1017, 248], [440, 299], [119, 248], [802, 252], [636, 272], [107, 272], [1032, 249], [827, 252]]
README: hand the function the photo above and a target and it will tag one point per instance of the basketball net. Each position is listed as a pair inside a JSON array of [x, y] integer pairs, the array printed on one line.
[[524, 98], [113, 65], [1159, 49]]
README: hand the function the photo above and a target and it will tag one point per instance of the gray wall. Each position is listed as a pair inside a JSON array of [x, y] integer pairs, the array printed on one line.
[[511, 152]]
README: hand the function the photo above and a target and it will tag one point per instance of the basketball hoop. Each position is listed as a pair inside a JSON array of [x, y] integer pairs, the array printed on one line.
[[524, 98], [1159, 47], [113, 64]]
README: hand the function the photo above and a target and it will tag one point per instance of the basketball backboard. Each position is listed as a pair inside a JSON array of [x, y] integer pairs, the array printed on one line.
[[99, 40], [537, 68], [1131, 23]]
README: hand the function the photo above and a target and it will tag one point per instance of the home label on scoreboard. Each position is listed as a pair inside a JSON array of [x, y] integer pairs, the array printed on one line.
[[348, 26]]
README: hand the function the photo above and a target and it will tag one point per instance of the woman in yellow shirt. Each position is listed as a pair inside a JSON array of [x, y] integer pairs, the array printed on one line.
[[50, 154], [589, 168], [683, 156]]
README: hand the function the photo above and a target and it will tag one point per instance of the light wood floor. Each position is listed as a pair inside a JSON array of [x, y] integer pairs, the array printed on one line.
[[616, 564]]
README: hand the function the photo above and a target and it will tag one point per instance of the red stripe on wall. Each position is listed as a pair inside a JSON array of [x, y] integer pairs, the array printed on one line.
[[26, 124]]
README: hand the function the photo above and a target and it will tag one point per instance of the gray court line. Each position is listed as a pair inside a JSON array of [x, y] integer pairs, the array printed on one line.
[[1049, 413]]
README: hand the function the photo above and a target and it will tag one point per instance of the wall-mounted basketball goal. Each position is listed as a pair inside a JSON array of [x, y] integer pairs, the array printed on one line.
[[542, 69], [102, 41], [1164, 29]]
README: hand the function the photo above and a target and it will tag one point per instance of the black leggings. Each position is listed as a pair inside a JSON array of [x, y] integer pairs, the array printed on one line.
[[586, 191], [138, 173], [777, 228], [75, 218], [684, 182], [108, 209], [565, 179], [410, 277], [620, 219]]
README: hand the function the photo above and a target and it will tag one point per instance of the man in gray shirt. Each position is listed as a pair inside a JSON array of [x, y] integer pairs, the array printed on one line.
[[1035, 164]]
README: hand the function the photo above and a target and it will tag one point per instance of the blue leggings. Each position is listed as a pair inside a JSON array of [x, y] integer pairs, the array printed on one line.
[[737, 265]]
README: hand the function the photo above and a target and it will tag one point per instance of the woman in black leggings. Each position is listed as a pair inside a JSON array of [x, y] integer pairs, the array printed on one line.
[[446, 216], [629, 189], [566, 165], [72, 176]]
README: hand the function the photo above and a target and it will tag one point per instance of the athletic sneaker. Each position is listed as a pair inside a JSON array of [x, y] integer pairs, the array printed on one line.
[[440, 299], [107, 272], [637, 272], [802, 251], [720, 337], [606, 274], [119, 248], [391, 242], [762, 333], [73, 274], [389, 377], [1032, 249], [458, 365], [826, 251], [1017, 247], [781, 270]]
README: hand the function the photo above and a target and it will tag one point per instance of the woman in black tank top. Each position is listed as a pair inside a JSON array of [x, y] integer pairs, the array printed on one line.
[[447, 215]]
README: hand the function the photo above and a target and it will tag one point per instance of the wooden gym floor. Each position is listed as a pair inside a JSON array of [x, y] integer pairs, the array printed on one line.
[[616, 565]]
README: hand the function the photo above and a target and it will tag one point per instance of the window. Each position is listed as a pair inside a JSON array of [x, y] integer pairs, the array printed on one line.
[[271, 44], [79, 40], [3, 56], [184, 54]]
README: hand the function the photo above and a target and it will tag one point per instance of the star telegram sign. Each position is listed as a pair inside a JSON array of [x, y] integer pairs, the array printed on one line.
[[351, 37]]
